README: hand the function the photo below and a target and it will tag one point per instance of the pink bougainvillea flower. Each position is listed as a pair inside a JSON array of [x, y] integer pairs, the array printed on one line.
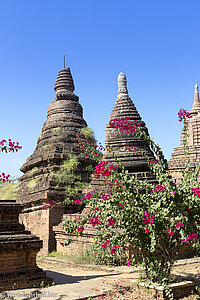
[[170, 232], [183, 114], [190, 238], [148, 218], [179, 225], [121, 205], [103, 169], [112, 221], [123, 124], [114, 248], [147, 230], [105, 244], [105, 196], [188, 210], [80, 229], [49, 204], [159, 187], [153, 161], [82, 200], [4, 177], [196, 192], [95, 221], [129, 262]]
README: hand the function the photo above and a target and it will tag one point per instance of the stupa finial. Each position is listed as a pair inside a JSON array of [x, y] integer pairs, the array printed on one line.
[[196, 104], [64, 82], [64, 61], [122, 85]]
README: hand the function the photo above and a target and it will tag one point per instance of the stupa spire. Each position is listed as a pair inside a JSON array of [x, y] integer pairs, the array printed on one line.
[[64, 82], [122, 85], [196, 103]]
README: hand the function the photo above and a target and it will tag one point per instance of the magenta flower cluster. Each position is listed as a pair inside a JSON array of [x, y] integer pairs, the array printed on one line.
[[123, 124], [179, 225], [190, 237], [112, 221], [49, 204], [153, 161], [196, 192], [114, 248], [86, 197], [104, 169], [105, 244], [9, 146], [183, 114], [121, 205], [170, 232], [95, 221], [148, 218], [105, 196], [4, 177], [159, 187]]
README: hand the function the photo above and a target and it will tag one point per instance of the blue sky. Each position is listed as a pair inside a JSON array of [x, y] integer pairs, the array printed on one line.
[[155, 43]]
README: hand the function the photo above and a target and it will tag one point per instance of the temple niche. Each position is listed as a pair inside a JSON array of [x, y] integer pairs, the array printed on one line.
[[176, 163], [134, 162], [58, 137]]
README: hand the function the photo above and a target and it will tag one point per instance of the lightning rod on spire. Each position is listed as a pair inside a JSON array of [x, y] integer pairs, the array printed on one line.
[[64, 61]]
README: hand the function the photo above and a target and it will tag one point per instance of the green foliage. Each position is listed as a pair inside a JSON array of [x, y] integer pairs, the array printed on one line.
[[45, 147], [81, 256], [56, 129], [70, 165], [72, 178], [87, 132], [32, 183], [8, 191], [87, 144], [33, 171]]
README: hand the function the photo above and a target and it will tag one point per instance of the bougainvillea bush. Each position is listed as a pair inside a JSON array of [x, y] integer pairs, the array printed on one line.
[[154, 219]]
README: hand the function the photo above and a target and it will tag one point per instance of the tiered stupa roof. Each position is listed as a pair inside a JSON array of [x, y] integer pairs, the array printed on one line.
[[119, 141], [176, 163], [64, 121]]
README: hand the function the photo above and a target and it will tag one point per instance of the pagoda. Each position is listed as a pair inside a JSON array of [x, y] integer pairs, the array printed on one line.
[[119, 141], [176, 163], [58, 137]]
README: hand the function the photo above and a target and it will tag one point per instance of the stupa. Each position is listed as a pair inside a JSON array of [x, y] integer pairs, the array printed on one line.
[[134, 162], [176, 163], [37, 187], [119, 141]]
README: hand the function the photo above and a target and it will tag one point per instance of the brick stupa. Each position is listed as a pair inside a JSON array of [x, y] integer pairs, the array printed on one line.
[[64, 121], [135, 163], [176, 163], [118, 141]]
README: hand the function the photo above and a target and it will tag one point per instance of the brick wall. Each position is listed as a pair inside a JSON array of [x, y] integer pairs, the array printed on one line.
[[40, 223]]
